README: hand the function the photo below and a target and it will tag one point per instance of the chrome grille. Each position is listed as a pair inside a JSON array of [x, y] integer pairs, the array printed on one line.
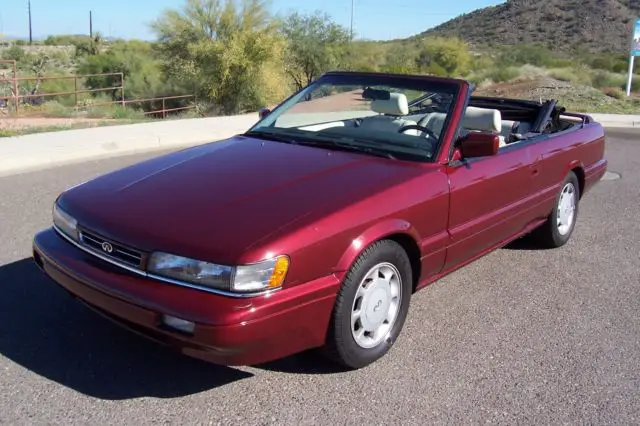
[[111, 249]]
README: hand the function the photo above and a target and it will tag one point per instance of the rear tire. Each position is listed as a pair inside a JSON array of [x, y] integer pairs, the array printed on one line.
[[558, 228], [371, 306]]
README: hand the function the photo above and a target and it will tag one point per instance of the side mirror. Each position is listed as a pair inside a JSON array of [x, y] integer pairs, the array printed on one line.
[[479, 145], [263, 112]]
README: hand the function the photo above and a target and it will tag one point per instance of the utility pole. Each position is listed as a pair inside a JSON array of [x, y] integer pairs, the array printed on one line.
[[352, 10], [90, 25], [30, 31]]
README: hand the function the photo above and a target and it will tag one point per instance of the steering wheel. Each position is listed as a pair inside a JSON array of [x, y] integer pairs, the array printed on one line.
[[417, 127]]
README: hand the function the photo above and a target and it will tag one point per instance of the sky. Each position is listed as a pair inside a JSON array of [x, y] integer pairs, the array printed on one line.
[[373, 19]]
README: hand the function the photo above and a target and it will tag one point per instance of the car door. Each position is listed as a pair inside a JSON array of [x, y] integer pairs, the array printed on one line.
[[488, 201]]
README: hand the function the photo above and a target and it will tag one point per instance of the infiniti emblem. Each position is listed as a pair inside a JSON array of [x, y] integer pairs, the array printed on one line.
[[107, 247]]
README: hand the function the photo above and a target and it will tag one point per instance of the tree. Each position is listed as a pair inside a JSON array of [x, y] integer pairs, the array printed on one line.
[[222, 50], [401, 58], [88, 46], [315, 45], [365, 56], [103, 64], [447, 57]]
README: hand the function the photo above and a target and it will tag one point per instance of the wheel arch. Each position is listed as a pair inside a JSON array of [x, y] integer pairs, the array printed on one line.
[[397, 230], [579, 172], [577, 168]]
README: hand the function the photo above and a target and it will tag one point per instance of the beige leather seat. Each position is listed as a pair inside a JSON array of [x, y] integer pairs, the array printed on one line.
[[475, 119], [391, 112], [482, 120]]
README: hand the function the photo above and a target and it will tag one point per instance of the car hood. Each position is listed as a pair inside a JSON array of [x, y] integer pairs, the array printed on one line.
[[214, 201]]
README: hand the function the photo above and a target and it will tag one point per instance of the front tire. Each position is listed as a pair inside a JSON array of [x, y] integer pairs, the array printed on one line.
[[371, 306], [558, 228]]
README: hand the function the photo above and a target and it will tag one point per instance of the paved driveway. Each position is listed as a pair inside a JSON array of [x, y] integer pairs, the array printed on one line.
[[520, 336]]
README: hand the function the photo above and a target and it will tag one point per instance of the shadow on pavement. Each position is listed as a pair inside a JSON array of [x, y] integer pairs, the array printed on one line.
[[309, 362], [524, 243], [46, 331]]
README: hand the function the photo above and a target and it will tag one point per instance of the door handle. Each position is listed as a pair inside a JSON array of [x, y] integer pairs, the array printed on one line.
[[534, 172]]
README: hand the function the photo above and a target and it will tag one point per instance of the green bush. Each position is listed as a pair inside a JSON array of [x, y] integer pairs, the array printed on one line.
[[14, 53], [522, 54], [614, 92], [502, 74], [635, 84], [602, 79], [443, 56], [6, 133], [482, 63], [55, 109], [607, 62], [575, 75], [115, 112]]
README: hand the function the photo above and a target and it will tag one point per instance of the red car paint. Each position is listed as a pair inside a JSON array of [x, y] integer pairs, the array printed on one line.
[[242, 200]]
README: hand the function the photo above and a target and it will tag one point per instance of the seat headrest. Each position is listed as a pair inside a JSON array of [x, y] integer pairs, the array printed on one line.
[[483, 119], [396, 105]]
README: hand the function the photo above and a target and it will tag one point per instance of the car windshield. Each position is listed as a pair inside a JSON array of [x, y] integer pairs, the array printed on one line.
[[390, 116]]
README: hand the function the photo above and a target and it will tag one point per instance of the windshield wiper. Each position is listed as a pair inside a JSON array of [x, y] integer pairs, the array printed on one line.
[[349, 146], [272, 136], [316, 141]]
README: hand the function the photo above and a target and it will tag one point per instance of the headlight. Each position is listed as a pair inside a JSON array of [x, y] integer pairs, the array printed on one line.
[[65, 223], [261, 276], [264, 275]]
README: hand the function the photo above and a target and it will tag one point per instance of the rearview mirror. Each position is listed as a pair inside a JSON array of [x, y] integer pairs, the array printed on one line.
[[479, 145], [263, 112]]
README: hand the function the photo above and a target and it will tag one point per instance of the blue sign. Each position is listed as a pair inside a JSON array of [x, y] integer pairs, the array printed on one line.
[[635, 47]]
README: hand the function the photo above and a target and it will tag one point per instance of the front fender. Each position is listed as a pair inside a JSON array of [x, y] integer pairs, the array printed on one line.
[[372, 234]]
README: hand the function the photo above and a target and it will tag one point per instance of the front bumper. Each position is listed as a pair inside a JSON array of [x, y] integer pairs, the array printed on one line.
[[228, 331]]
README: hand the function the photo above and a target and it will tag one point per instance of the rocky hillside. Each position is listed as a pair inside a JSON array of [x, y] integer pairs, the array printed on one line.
[[593, 25]]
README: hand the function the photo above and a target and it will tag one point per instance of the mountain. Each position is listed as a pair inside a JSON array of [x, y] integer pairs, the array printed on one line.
[[593, 25]]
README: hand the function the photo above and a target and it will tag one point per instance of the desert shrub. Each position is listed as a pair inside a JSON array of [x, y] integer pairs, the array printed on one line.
[[502, 74], [115, 112], [103, 64], [314, 45], [7, 133], [601, 79], [522, 54], [14, 53], [400, 58], [635, 84], [55, 109], [221, 50], [443, 56], [575, 75], [607, 62], [481, 62], [614, 92]]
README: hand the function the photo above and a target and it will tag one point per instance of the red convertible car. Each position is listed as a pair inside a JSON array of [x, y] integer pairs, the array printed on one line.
[[314, 228]]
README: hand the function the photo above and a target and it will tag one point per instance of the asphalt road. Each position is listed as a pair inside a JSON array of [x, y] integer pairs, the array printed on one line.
[[520, 336]]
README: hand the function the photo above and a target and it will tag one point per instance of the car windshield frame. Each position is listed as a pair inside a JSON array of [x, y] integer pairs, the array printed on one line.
[[341, 138]]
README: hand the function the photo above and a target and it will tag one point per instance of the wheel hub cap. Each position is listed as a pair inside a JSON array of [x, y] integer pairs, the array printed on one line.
[[376, 304], [566, 208]]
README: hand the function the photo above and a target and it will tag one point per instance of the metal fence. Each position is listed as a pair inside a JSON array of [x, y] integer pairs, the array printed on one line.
[[163, 100], [14, 96]]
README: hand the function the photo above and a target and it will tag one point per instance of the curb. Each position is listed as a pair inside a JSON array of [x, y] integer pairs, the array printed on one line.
[[39, 151]]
